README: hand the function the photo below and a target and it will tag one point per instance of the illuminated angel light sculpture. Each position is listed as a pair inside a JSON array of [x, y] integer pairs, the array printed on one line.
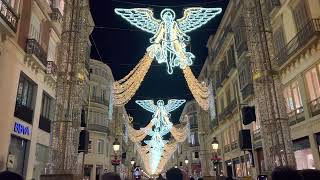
[[161, 112], [162, 126], [170, 39]]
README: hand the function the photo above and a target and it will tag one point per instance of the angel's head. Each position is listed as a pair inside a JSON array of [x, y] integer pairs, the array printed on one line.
[[160, 102], [167, 15]]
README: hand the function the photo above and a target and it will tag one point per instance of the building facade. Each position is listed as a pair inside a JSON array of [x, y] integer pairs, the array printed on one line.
[[30, 36], [27, 65], [190, 149], [229, 66], [98, 118]]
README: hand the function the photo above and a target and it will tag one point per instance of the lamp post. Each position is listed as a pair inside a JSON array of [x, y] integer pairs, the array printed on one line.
[[215, 159], [186, 161], [116, 148]]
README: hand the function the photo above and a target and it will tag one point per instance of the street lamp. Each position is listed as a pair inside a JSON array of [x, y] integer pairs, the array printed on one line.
[[186, 160], [132, 161], [215, 147], [215, 144], [116, 145]]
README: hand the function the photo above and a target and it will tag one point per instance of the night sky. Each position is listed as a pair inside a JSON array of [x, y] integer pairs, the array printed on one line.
[[121, 45]]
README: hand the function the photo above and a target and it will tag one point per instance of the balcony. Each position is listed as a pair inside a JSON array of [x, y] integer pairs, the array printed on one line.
[[51, 68], [296, 116], [99, 128], [45, 124], [34, 48], [227, 148], [257, 135], [24, 113], [99, 100], [193, 126], [56, 15], [272, 4], [234, 145], [221, 42], [296, 45], [247, 91], [315, 107], [8, 15]]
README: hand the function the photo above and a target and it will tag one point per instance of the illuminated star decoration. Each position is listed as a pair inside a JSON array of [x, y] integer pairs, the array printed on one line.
[[162, 126], [170, 39]]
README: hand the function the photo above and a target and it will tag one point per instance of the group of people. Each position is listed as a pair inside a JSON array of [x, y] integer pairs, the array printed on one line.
[[280, 173]]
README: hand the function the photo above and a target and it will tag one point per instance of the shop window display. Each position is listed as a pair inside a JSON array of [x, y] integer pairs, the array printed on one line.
[[303, 154]]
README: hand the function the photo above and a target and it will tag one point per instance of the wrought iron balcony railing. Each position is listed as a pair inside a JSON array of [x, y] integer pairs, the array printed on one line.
[[256, 135], [45, 124], [193, 125], [296, 116], [99, 128], [247, 91], [51, 68], [312, 28], [100, 100], [234, 145], [8, 15], [56, 15], [227, 148], [315, 107], [24, 113], [272, 4], [33, 47]]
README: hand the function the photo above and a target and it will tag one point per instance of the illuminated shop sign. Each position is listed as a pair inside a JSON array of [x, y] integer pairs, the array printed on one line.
[[21, 129]]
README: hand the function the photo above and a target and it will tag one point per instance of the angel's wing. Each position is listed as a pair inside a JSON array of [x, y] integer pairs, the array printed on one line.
[[147, 105], [142, 18], [196, 17], [173, 104]]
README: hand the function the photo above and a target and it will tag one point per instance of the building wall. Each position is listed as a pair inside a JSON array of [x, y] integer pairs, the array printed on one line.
[[98, 119], [28, 49], [293, 70]]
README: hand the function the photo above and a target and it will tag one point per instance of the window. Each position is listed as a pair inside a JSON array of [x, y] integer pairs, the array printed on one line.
[[90, 146], [94, 91], [14, 4], [221, 104], [195, 155], [40, 161], [231, 56], [245, 73], [52, 51], [279, 39], [228, 95], [312, 81], [47, 106], [293, 97], [26, 92], [100, 146], [301, 15], [34, 32]]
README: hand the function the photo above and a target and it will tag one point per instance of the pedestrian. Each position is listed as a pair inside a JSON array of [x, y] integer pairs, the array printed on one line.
[[191, 178], [285, 173], [174, 174], [160, 177], [110, 176], [6, 175], [310, 174]]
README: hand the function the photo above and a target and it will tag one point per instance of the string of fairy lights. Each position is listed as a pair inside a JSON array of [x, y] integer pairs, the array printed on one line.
[[168, 46]]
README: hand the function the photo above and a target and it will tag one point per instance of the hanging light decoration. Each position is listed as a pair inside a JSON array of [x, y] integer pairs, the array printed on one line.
[[199, 90], [125, 88], [168, 45]]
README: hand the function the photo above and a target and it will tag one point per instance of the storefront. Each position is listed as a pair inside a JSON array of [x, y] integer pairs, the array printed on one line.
[[19, 147], [41, 161], [303, 154]]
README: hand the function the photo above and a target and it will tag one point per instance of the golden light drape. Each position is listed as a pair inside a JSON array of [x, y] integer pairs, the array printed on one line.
[[125, 88], [199, 90]]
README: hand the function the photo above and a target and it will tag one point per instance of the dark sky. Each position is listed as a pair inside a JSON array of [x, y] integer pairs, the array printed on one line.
[[122, 45]]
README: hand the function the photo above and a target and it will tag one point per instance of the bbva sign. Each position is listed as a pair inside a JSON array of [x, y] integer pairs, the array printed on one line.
[[21, 129]]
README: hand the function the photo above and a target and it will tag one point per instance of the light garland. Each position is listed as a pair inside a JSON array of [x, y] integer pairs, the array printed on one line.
[[169, 40], [154, 158], [125, 88], [199, 90]]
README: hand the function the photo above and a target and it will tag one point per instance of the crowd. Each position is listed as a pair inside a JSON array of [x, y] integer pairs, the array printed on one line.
[[280, 173]]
